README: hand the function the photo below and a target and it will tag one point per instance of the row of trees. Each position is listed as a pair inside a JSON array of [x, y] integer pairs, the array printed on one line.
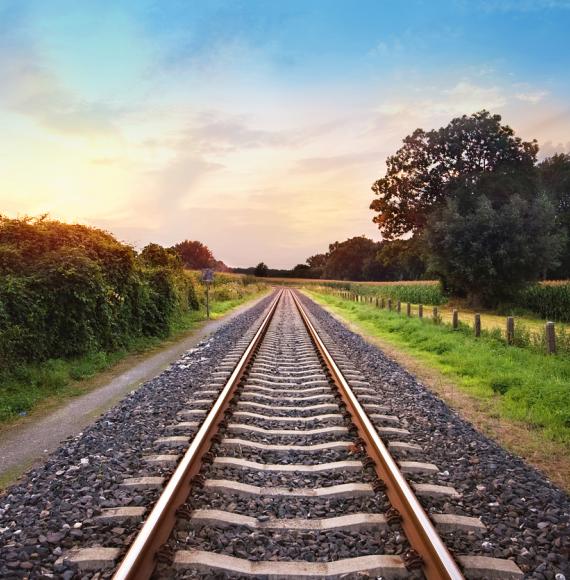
[[468, 203], [358, 258]]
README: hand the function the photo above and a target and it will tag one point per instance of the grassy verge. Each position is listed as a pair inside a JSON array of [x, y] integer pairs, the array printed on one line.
[[514, 386], [27, 386]]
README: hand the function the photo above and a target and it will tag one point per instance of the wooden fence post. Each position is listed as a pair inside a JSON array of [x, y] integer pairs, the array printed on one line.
[[477, 325], [455, 319], [510, 330], [399, 307], [408, 309], [550, 338], [390, 304], [382, 302], [420, 310], [376, 301], [435, 316]]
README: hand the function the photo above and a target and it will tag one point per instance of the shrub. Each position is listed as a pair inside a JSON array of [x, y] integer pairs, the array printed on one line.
[[67, 290]]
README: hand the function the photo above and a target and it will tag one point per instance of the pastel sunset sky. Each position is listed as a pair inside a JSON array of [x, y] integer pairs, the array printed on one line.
[[255, 126]]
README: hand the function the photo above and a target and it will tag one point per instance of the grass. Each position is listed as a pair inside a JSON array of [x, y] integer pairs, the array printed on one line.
[[518, 384], [489, 320], [529, 327], [25, 387]]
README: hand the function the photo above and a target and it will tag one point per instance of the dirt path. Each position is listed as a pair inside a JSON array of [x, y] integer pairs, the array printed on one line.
[[24, 444]]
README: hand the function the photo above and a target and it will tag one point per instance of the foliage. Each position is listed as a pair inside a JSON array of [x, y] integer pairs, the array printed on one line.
[[261, 270], [550, 301], [489, 253], [155, 256], [400, 260], [522, 384], [491, 219], [228, 287], [431, 166], [554, 175], [302, 271], [317, 264], [194, 255], [23, 385], [415, 293], [347, 260], [359, 258], [66, 290]]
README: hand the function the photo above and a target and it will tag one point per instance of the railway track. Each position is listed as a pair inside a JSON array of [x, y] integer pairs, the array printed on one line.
[[286, 473]]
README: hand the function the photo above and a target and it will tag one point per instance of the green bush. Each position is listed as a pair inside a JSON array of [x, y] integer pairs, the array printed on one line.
[[67, 290]]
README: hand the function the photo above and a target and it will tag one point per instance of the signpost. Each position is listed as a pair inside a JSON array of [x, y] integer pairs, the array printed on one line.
[[207, 278]]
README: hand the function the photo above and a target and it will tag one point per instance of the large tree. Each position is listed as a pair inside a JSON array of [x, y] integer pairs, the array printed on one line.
[[400, 260], [261, 270], [195, 255], [348, 260], [473, 153], [488, 253], [317, 264]]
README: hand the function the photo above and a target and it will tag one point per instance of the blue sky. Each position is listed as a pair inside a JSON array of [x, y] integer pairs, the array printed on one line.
[[255, 126]]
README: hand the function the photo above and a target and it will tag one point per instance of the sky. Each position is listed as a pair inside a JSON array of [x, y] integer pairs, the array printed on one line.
[[255, 126]]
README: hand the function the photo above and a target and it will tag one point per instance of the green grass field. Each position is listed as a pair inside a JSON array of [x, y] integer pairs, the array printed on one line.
[[522, 384]]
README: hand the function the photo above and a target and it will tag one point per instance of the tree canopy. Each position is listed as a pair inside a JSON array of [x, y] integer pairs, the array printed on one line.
[[554, 175], [347, 260], [489, 253], [261, 270], [433, 166], [194, 255]]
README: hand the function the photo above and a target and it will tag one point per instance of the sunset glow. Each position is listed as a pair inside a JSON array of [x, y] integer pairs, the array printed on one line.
[[256, 127]]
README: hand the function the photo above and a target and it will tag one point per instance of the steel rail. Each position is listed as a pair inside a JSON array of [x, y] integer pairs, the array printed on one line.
[[438, 563], [140, 560]]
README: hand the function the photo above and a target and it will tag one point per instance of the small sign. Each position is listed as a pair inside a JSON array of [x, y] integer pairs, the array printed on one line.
[[208, 275]]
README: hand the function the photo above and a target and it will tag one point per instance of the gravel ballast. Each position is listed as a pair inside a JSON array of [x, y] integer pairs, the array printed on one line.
[[53, 507]]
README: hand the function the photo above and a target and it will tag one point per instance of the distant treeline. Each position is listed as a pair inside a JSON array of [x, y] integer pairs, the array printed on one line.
[[357, 259], [66, 290], [467, 203]]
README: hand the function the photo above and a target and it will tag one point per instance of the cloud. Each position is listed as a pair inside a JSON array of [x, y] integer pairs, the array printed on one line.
[[105, 161], [31, 88], [517, 5], [549, 148], [387, 47], [533, 97], [467, 96], [336, 162], [214, 131]]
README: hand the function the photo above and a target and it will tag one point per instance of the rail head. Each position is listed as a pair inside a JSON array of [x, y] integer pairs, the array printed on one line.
[[438, 563], [139, 561]]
